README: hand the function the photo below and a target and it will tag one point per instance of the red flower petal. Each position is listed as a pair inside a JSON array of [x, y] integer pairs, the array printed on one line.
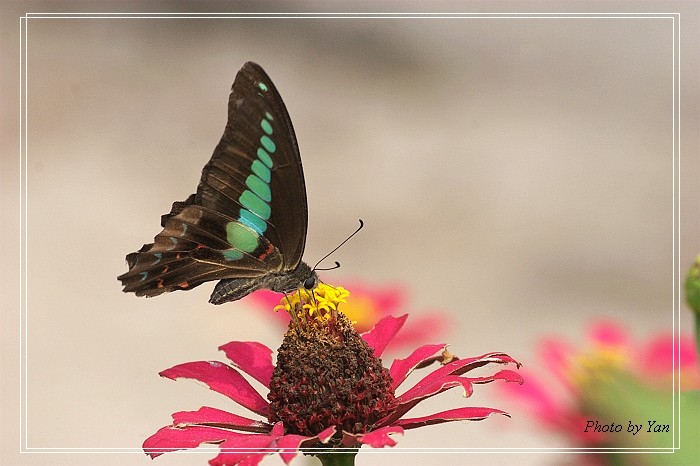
[[459, 414], [222, 379], [537, 398], [171, 438], [434, 323], [505, 375], [608, 333], [253, 358], [556, 355], [380, 438], [290, 446], [325, 435], [427, 388], [207, 415], [658, 354], [448, 376], [379, 337], [237, 454], [461, 366], [367, 305], [434, 384], [387, 297], [291, 443], [265, 298], [400, 368]]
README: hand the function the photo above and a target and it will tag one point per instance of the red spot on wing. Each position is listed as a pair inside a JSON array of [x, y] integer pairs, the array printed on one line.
[[267, 252], [160, 283], [183, 285], [165, 269]]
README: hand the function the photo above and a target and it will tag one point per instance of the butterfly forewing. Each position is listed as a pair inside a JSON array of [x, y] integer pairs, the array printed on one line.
[[248, 218], [258, 153]]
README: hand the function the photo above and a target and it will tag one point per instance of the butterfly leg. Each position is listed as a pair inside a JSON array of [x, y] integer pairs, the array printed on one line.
[[292, 310]]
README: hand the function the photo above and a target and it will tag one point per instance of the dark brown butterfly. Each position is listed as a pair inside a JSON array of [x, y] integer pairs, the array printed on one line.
[[246, 225]]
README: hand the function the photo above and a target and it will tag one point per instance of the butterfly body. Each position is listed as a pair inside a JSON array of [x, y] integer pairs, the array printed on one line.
[[232, 289], [246, 224]]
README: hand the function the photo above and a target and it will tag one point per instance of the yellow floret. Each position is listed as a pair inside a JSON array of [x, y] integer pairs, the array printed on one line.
[[318, 304]]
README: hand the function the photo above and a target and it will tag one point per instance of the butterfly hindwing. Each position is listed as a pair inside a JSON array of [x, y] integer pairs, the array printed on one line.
[[247, 221], [195, 247]]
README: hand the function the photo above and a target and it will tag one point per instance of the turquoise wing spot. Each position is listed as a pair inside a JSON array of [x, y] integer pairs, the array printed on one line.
[[268, 144], [184, 229], [173, 239], [264, 157], [255, 205], [261, 170], [159, 256], [144, 275], [241, 238], [253, 221], [262, 87], [244, 234], [266, 126], [259, 187], [233, 254]]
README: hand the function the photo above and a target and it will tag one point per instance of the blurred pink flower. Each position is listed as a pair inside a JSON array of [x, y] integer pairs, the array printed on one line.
[[369, 421], [609, 350], [369, 304]]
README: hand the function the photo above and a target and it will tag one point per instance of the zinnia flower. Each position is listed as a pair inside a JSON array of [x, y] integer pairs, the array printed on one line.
[[369, 304], [328, 394], [612, 380]]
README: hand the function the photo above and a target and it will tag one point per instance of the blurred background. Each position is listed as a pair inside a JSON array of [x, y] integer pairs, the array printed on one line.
[[514, 173]]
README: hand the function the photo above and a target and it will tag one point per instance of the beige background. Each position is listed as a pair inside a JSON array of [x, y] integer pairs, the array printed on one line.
[[516, 173]]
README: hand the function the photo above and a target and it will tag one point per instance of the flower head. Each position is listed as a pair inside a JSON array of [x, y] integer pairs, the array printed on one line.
[[610, 378], [329, 389]]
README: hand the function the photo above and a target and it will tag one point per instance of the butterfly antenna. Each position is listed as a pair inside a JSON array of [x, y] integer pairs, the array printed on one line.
[[337, 264], [313, 299]]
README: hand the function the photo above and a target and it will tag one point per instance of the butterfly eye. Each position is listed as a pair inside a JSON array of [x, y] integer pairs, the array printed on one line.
[[310, 283]]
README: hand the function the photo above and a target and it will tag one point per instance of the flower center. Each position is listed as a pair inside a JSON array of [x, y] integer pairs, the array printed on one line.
[[593, 366], [327, 375]]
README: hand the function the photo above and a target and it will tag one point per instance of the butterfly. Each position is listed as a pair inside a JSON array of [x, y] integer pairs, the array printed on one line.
[[246, 224]]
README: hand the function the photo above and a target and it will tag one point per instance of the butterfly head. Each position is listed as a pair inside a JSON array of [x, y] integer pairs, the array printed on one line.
[[288, 282], [311, 282]]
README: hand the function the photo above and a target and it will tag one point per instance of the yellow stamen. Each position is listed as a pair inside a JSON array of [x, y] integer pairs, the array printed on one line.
[[598, 364], [318, 305]]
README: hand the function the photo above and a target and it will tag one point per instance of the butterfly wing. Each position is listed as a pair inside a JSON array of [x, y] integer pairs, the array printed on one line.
[[258, 154], [249, 215]]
